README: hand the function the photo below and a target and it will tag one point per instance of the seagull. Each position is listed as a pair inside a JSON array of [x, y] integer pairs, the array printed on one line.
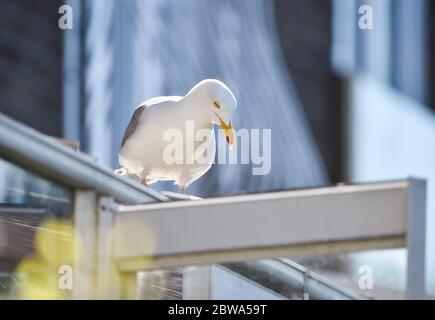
[[144, 145]]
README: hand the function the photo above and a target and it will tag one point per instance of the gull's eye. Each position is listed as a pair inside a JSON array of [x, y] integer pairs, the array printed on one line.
[[216, 104]]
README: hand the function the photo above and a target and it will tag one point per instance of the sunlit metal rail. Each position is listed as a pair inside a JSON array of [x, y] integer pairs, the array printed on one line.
[[289, 223], [44, 156]]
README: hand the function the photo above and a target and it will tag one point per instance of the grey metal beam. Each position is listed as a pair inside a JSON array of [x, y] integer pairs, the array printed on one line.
[[42, 155], [312, 221], [416, 240]]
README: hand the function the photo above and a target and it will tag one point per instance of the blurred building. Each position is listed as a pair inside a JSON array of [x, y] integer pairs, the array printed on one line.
[[31, 60]]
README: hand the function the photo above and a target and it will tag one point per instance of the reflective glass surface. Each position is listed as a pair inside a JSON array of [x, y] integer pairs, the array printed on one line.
[[35, 235]]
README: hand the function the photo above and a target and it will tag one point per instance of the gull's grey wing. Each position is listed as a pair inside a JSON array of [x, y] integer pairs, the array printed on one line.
[[133, 123], [138, 112]]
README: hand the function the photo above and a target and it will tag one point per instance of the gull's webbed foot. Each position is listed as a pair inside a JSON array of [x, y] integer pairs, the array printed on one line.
[[181, 189], [143, 182]]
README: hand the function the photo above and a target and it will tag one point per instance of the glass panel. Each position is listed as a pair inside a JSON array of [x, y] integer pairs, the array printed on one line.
[[374, 274], [164, 284], [229, 285], [332, 277], [202, 282], [35, 235]]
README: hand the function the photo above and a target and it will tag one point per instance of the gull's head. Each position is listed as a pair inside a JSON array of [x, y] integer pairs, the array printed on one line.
[[220, 104]]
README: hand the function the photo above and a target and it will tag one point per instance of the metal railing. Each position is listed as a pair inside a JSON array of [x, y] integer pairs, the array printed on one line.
[[286, 277], [42, 155], [46, 157]]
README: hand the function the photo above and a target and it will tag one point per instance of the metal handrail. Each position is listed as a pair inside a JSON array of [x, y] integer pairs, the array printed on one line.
[[285, 277], [44, 156], [41, 154], [319, 280]]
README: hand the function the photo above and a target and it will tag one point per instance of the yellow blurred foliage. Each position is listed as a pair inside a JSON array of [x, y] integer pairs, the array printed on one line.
[[38, 276], [56, 245]]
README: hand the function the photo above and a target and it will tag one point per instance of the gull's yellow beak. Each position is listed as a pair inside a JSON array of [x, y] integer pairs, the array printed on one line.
[[228, 130]]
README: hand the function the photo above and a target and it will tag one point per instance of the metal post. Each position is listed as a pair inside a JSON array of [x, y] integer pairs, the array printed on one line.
[[416, 239], [108, 278], [276, 224], [197, 283], [85, 243]]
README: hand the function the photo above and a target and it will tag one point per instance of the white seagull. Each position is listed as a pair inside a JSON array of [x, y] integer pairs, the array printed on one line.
[[142, 153]]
